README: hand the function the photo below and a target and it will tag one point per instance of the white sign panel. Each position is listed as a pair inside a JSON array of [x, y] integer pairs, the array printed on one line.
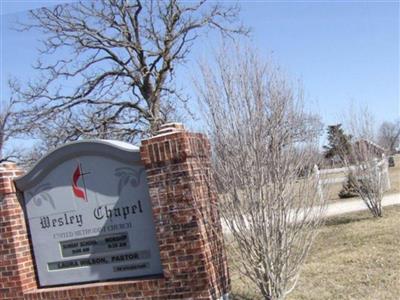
[[90, 216]]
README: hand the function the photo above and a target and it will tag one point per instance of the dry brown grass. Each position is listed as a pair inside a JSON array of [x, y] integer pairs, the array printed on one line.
[[331, 192], [394, 174], [355, 256]]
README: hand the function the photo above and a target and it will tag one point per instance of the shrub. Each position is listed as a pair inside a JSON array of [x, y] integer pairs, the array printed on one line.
[[348, 190]]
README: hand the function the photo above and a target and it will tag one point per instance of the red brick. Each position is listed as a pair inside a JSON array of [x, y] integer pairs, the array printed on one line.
[[177, 165]]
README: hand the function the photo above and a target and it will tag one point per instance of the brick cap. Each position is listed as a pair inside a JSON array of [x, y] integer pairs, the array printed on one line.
[[7, 165], [170, 128]]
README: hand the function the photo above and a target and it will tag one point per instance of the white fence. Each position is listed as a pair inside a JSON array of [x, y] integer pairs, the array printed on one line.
[[383, 164]]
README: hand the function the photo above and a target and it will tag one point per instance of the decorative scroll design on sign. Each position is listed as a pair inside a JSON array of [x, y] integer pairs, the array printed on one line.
[[128, 175], [40, 195]]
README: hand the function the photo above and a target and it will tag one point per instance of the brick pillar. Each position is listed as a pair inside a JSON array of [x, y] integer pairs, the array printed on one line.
[[185, 214], [16, 267]]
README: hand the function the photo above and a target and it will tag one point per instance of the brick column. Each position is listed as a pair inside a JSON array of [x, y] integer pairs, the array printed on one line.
[[187, 225], [185, 214], [16, 267]]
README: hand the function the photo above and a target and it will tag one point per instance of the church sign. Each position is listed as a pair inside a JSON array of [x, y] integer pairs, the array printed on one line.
[[89, 214]]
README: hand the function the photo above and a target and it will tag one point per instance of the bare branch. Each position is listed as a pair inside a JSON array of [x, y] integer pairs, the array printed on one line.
[[366, 162], [116, 59], [389, 136], [270, 197]]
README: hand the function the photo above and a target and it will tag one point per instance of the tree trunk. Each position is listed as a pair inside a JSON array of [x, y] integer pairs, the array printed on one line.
[[156, 121]]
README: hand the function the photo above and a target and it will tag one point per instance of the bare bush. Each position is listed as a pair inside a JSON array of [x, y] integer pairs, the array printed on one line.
[[369, 176], [263, 155], [366, 162]]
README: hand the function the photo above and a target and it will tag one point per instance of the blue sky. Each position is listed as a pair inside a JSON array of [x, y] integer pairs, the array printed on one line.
[[342, 51]]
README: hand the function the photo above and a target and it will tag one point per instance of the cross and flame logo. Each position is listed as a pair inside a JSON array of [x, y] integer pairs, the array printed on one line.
[[79, 192]]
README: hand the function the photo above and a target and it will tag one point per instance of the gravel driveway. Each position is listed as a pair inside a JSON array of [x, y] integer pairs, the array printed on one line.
[[358, 204]]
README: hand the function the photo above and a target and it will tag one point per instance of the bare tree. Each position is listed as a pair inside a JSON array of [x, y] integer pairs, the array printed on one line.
[[367, 166], [263, 142], [7, 130], [107, 67], [389, 136]]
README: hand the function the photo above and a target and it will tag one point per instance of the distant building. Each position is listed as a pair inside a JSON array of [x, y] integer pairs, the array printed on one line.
[[364, 146], [362, 149]]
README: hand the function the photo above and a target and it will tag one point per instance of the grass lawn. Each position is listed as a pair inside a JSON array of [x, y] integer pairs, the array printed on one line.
[[331, 192], [394, 174], [353, 257]]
